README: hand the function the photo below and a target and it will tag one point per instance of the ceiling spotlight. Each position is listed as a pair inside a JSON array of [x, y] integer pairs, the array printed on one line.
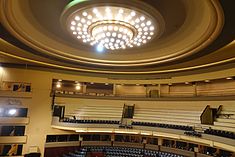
[[207, 81], [229, 78], [114, 24], [78, 87], [100, 48], [58, 85], [12, 112]]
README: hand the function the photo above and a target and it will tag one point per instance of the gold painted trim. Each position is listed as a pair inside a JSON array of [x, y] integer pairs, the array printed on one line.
[[10, 22], [117, 72]]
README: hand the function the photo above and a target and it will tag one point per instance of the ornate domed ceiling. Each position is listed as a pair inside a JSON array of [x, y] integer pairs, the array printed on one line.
[[137, 37]]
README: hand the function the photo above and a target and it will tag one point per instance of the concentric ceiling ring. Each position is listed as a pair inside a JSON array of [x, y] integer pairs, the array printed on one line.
[[113, 26], [175, 39]]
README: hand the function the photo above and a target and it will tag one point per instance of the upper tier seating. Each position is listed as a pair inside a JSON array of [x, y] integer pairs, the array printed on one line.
[[99, 112], [182, 115], [67, 120], [226, 119]]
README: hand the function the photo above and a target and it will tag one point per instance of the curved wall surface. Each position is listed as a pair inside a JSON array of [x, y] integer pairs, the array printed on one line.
[[39, 102]]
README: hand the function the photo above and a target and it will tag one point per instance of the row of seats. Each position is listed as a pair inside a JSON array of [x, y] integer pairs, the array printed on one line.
[[170, 126], [193, 133], [67, 120], [77, 153], [221, 133], [129, 152]]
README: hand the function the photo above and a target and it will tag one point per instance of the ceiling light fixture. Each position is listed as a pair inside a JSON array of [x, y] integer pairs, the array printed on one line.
[[58, 85], [207, 81], [78, 86], [111, 27], [12, 112]]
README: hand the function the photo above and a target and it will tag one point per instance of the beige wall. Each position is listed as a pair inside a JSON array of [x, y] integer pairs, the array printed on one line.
[[126, 90], [40, 103]]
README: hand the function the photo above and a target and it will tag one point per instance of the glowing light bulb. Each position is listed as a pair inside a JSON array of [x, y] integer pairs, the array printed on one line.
[[83, 20], [121, 11], [114, 34], [77, 18], [78, 87], [149, 23], [12, 112], [151, 28], [89, 17], [100, 48], [84, 13], [108, 10], [72, 28], [142, 18], [58, 85], [73, 23], [95, 10], [133, 13]]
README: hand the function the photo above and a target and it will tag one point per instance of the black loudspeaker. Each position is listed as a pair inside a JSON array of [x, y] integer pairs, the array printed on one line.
[[33, 155], [58, 111]]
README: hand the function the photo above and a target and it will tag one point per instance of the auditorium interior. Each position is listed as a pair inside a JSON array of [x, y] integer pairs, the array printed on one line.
[[126, 78]]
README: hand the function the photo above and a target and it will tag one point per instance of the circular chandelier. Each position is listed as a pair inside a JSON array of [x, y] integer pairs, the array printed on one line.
[[111, 27]]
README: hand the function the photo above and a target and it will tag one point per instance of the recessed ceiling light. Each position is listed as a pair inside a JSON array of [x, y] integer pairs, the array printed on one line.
[[12, 112], [78, 87], [207, 81], [58, 84], [229, 78]]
